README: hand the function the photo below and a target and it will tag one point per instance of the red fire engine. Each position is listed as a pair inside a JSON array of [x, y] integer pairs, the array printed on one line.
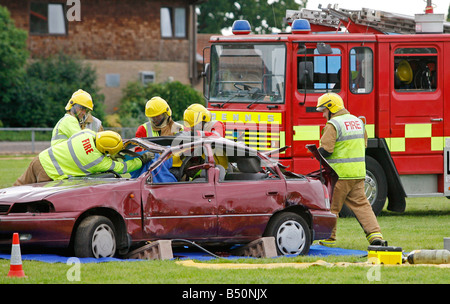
[[390, 69]]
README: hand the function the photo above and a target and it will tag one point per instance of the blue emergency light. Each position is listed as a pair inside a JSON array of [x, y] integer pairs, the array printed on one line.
[[300, 26], [241, 27]]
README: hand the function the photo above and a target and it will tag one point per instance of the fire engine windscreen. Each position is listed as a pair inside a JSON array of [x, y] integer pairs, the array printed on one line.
[[247, 73]]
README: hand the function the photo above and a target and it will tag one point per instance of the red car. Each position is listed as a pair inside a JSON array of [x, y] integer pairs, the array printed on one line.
[[211, 190]]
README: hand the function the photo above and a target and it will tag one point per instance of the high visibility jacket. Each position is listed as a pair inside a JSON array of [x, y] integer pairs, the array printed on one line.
[[78, 156], [67, 126], [171, 128], [150, 132], [348, 157]]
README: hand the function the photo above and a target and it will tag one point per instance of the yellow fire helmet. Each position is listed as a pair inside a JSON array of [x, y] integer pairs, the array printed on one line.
[[82, 98], [404, 72], [331, 101], [157, 106], [108, 142], [195, 114]]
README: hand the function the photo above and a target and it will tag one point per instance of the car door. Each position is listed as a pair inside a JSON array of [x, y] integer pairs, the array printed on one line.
[[183, 209], [247, 200]]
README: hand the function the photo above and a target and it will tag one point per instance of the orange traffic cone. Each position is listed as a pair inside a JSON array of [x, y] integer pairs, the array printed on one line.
[[15, 268]]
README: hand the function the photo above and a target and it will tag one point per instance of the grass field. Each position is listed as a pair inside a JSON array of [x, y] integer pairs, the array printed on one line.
[[423, 226]]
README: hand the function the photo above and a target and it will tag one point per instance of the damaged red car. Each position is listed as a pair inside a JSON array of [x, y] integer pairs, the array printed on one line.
[[211, 191]]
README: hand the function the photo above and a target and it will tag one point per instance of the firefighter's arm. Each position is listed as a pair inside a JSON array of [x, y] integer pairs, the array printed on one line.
[[107, 164], [69, 126], [328, 140], [140, 132]]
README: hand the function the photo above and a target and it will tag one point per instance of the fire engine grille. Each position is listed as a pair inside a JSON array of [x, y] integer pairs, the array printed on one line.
[[255, 139]]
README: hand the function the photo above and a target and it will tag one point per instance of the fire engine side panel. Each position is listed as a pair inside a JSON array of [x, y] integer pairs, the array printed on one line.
[[416, 113]]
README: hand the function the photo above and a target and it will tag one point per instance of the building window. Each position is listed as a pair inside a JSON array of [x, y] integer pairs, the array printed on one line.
[[47, 18], [173, 22]]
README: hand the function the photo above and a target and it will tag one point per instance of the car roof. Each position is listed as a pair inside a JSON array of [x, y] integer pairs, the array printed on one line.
[[162, 144]]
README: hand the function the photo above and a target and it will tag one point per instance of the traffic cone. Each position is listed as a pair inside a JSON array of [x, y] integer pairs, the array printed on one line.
[[15, 268]]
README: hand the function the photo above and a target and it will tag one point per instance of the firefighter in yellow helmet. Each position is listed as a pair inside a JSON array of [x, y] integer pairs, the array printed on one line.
[[160, 120], [198, 122], [78, 108], [84, 153], [198, 119], [343, 144]]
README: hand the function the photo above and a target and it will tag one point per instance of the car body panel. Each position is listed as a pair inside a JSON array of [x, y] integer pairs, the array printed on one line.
[[209, 209]]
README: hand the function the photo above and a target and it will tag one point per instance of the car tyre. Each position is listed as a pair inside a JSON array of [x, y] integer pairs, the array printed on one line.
[[95, 237], [291, 232]]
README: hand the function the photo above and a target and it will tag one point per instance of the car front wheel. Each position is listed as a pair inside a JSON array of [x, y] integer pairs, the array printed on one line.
[[95, 237], [291, 232]]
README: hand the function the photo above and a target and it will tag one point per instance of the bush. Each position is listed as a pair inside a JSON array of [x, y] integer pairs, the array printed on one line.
[[136, 95]]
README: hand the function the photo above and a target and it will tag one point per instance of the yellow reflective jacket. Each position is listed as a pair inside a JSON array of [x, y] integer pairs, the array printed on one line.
[[348, 157], [67, 126], [78, 156]]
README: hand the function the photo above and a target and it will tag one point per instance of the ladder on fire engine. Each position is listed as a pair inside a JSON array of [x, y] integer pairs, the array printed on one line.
[[336, 17]]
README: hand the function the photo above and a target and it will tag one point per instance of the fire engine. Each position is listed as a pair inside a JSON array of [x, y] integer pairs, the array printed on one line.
[[390, 70]]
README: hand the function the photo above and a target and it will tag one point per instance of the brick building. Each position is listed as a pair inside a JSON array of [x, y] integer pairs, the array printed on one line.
[[125, 40]]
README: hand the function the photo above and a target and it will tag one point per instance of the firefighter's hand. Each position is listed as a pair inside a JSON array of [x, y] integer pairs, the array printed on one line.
[[146, 157]]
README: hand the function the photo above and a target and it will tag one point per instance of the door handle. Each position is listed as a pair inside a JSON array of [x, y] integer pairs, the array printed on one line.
[[437, 119], [208, 195], [272, 192]]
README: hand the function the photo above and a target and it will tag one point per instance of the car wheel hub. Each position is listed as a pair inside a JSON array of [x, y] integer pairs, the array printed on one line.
[[291, 237], [103, 242]]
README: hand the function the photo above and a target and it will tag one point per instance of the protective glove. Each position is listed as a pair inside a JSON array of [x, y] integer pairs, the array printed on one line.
[[146, 157]]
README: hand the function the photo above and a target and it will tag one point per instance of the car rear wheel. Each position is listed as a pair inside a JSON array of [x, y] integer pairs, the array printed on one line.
[[95, 237], [291, 232]]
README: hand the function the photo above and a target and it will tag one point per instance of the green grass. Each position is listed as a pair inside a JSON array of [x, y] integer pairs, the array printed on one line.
[[423, 225]]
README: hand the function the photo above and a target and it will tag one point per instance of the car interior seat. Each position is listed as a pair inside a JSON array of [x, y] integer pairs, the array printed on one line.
[[249, 169]]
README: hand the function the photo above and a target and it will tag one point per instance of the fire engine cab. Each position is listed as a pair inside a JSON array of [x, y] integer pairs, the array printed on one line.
[[389, 69]]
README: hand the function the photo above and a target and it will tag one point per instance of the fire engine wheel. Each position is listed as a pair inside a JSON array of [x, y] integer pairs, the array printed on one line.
[[375, 187], [95, 237], [291, 232]]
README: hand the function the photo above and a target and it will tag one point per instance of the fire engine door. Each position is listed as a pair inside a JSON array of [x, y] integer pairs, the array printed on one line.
[[417, 105], [358, 85]]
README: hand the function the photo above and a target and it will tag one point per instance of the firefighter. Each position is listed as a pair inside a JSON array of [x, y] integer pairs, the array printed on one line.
[[198, 119], [78, 108], [82, 154], [160, 120], [343, 144]]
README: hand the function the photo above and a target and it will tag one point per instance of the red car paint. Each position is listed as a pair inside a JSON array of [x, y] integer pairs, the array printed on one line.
[[210, 211]]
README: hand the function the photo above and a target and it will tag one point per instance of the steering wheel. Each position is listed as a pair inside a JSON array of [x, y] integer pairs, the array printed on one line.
[[245, 87]]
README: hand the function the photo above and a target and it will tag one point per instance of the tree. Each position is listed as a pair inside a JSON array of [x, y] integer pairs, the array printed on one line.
[[265, 16], [13, 56], [41, 93]]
